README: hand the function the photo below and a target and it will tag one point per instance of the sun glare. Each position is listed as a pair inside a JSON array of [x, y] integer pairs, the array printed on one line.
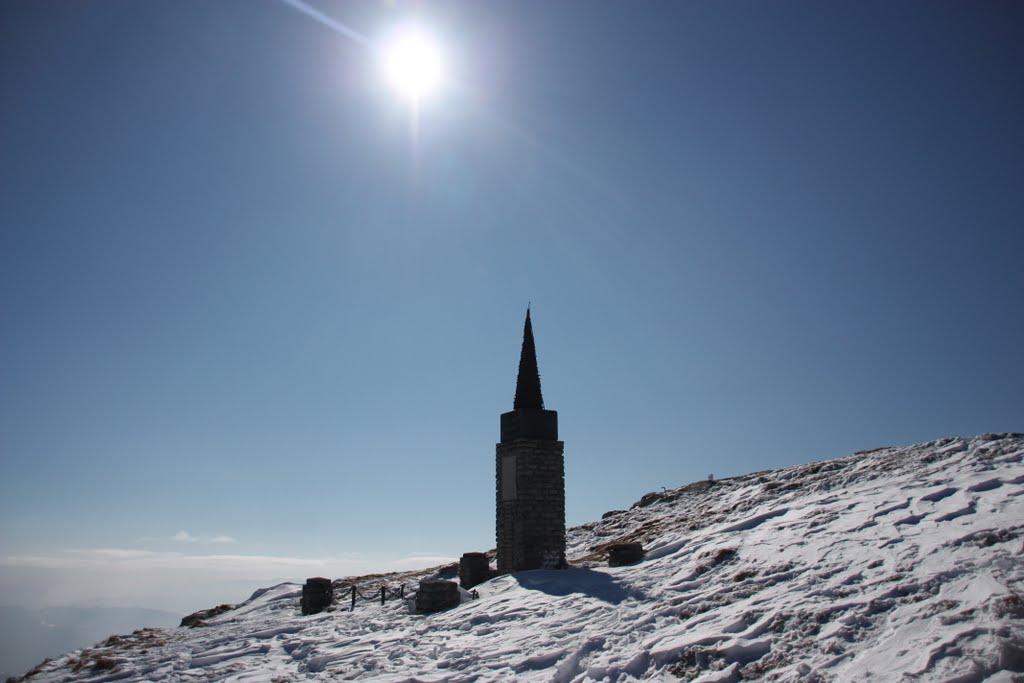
[[412, 63]]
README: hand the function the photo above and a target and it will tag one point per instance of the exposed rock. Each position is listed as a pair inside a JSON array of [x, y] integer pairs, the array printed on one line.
[[199, 618], [622, 554]]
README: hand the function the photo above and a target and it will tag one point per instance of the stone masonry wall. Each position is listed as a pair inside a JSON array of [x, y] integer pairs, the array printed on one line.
[[530, 492]]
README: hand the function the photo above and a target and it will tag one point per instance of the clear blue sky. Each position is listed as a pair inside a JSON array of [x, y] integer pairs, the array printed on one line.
[[243, 297]]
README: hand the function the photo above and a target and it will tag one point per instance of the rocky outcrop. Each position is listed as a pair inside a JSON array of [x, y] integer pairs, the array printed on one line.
[[199, 618]]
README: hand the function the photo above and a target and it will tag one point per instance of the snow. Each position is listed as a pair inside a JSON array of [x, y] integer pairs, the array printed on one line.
[[888, 565]]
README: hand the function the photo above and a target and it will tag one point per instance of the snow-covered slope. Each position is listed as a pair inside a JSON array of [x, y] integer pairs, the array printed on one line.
[[889, 565]]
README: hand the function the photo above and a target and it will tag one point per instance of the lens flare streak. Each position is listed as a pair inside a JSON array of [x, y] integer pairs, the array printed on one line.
[[329, 22]]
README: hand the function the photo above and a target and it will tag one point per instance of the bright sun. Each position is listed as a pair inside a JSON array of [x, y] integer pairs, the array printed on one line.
[[412, 63]]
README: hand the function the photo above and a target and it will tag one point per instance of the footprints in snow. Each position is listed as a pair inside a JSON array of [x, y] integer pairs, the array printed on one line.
[[755, 521], [936, 496], [968, 509], [909, 520], [987, 485], [931, 507], [892, 508]]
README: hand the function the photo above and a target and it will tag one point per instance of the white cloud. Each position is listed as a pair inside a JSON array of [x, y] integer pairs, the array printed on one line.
[[178, 581], [422, 560], [185, 537], [222, 539], [126, 559]]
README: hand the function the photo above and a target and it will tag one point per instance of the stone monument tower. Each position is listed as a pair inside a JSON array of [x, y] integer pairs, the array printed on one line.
[[530, 520]]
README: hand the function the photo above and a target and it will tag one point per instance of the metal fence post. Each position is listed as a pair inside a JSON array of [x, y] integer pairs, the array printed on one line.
[[383, 594], [353, 597]]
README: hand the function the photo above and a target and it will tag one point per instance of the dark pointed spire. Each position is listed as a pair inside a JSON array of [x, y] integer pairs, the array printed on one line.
[[528, 396]]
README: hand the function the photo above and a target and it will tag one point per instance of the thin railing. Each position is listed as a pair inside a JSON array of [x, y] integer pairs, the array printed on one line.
[[382, 594]]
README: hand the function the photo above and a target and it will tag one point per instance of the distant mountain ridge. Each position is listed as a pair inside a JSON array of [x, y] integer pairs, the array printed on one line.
[[892, 564]]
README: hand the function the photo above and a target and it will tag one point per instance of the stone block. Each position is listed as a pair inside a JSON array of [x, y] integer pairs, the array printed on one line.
[[622, 554], [435, 595], [317, 595], [474, 569]]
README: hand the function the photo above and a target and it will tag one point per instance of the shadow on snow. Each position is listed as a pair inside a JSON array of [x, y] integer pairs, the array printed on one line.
[[587, 582]]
